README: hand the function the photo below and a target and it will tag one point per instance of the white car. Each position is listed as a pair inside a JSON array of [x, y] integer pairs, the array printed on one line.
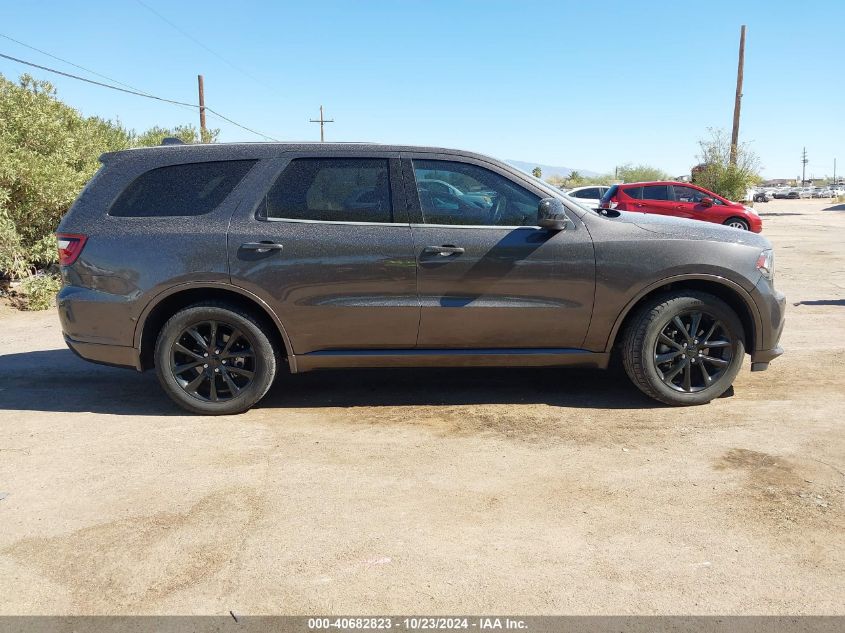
[[589, 196]]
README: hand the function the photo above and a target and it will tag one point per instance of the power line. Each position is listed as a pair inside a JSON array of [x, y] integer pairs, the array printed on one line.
[[137, 93], [196, 41], [69, 63]]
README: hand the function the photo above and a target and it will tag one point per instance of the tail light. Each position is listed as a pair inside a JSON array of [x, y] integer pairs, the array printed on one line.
[[70, 246]]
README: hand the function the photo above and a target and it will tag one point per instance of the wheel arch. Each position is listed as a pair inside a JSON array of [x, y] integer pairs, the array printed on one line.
[[167, 303], [731, 293]]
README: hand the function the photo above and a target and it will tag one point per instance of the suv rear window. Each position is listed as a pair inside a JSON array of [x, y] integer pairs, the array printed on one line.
[[331, 189], [180, 190]]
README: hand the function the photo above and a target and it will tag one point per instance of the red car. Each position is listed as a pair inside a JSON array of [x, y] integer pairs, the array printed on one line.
[[683, 200]]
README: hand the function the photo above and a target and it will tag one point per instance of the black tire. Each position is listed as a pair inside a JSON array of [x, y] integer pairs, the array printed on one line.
[[238, 373], [643, 348], [737, 223]]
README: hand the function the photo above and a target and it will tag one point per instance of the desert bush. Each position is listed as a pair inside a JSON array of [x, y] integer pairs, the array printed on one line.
[[39, 291], [718, 174], [48, 152]]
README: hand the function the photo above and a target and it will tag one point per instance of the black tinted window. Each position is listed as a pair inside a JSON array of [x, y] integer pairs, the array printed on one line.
[[656, 192], [461, 193], [688, 194], [592, 192], [332, 189], [188, 189], [634, 192]]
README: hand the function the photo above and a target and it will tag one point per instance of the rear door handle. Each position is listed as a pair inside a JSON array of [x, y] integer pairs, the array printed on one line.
[[261, 247], [443, 251]]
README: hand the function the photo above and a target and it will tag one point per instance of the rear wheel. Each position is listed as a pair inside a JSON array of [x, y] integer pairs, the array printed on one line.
[[214, 359], [737, 223], [684, 348]]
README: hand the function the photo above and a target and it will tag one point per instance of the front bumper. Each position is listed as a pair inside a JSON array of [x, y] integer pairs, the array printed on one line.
[[772, 306]]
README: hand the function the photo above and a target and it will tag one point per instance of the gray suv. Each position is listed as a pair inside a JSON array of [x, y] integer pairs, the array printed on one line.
[[214, 264]]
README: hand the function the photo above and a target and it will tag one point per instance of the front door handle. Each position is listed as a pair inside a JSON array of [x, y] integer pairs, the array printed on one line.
[[261, 247], [443, 251]]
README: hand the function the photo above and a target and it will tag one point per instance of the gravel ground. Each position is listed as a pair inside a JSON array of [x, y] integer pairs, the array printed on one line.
[[521, 491]]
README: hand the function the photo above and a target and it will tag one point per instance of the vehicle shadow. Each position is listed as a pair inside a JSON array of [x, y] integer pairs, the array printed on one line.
[[821, 302], [836, 207], [57, 381]]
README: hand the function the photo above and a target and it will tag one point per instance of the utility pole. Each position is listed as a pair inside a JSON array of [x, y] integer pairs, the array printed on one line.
[[322, 122], [738, 101], [804, 162], [202, 108], [834, 171]]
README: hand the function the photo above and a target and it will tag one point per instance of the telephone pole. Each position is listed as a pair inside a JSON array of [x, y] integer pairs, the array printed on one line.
[[804, 162], [322, 122], [202, 108], [738, 101], [834, 171]]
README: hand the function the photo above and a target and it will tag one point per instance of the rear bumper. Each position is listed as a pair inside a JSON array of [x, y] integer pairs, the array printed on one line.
[[113, 355]]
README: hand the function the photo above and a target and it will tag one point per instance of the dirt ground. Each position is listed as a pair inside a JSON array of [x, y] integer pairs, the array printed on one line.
[[465, 491]]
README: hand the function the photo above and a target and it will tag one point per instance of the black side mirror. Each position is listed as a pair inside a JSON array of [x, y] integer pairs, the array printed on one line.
[[551, 214]]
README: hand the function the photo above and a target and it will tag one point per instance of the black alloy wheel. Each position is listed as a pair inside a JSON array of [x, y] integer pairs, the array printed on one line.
[[213, 361], [684, 347], [215, 358], [693, 351]]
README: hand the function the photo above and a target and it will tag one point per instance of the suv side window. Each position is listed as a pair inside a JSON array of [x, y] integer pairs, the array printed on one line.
[[592, 192], [634, 192], [656, 192], [331, 189], [180, 190], [466, 194]]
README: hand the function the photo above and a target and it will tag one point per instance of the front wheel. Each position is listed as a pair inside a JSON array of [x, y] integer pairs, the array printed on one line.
[[684, 348], [214, 359], [737, 223]]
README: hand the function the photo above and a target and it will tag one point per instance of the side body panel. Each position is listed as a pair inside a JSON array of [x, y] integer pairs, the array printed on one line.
[[335, 285], [511, 287]]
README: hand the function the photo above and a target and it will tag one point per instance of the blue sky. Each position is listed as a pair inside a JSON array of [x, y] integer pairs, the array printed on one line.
[[586, 85]]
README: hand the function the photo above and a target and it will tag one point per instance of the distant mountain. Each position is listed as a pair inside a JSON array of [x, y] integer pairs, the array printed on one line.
[[550, 170]]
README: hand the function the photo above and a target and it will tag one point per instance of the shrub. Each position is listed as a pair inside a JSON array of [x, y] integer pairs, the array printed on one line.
[[48, 152], [40, 290], [718, 174]]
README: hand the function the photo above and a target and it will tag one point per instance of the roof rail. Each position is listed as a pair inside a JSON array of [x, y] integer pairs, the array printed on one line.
[[172, 140]]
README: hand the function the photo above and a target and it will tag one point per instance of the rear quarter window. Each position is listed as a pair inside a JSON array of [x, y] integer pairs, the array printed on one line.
[[188, 189], [634, 192]]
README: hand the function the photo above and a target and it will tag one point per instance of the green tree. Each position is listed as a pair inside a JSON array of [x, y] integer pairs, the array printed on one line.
[[48, 151], [538, 173], [718, 174], [641, 173], [185, 133]]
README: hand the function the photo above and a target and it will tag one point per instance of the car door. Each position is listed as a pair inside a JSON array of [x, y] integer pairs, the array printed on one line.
[[688, 203], [658, 199], [327, 243], [488, 277]]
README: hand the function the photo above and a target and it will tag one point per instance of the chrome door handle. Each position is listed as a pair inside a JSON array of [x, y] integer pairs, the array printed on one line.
[[261, 247], [443, 251]]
